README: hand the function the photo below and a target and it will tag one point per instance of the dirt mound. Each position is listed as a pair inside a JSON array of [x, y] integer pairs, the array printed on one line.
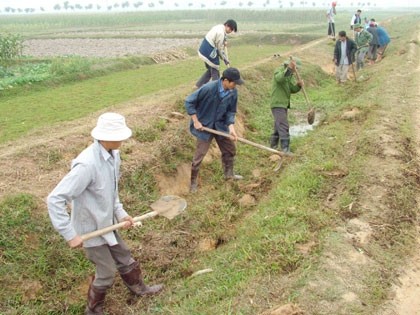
[[288, 309], [168, 56]]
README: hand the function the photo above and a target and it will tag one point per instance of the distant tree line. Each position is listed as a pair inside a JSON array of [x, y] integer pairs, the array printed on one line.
[[160, 4]]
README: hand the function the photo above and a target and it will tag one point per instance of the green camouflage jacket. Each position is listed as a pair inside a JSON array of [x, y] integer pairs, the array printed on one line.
[[363, 38]]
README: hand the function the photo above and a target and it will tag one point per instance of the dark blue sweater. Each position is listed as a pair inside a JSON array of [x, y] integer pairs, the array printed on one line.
[[212, 111]]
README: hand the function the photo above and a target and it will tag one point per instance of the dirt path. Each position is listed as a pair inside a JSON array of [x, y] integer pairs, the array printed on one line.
[[407, 290], [347, 265]]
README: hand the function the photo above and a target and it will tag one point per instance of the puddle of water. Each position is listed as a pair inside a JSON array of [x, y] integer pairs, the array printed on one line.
[[300, 130]]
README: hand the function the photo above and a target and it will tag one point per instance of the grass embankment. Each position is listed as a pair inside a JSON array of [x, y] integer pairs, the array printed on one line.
[[254, 241], [259, 260]]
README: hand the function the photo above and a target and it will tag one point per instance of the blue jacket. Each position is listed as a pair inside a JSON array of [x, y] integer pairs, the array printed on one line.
[[212, 111], [383, 36], [375, 39]]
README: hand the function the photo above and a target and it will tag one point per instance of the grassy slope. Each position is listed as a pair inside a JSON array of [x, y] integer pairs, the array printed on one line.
[[31, 110], [259, 258]]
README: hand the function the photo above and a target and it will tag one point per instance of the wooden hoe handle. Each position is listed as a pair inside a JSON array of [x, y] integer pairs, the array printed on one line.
[[257, 145], [114, 227]]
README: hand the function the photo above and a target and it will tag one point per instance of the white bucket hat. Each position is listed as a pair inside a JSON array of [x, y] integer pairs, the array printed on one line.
[[111, 127]]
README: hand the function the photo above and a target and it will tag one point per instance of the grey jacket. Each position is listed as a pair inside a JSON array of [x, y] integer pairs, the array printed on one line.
[[91, 187]]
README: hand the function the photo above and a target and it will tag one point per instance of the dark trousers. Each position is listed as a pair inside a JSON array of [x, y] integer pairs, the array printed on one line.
[[210, 73], [372, 53], [281, 123], [331, 29], [227, 148], [107, 260]]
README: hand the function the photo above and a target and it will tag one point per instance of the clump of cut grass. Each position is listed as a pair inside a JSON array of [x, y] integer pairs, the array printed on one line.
[[149, 134]]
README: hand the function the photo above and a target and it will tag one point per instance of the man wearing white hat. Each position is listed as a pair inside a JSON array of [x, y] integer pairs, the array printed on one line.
[[91, 187]]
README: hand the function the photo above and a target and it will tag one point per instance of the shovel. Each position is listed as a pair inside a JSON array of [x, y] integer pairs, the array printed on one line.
[[257, 145], [166, 206], [311, 112], [354, 72]]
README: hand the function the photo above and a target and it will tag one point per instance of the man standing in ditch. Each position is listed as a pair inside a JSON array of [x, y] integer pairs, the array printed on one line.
[[91, 187], [344, 51], [214, 106], [282, 87], [362, 39], [212, 48]]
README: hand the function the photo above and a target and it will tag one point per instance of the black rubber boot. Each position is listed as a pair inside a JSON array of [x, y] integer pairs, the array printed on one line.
[[228, 170], [285, 145], [134, 282], [274, 141], [194, 181]]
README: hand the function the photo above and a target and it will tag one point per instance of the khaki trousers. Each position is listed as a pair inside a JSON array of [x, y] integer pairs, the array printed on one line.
[[107, 260], [341, 73]]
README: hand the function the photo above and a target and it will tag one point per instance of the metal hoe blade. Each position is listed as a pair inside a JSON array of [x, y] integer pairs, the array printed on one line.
[[169, 206]]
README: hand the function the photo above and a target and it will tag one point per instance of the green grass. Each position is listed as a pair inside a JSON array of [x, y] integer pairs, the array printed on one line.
[[201, 20], [35, 262], [37, 109], [29, 108]]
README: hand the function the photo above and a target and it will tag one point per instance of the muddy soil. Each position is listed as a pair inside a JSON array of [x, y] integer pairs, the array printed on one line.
[[104, 47]]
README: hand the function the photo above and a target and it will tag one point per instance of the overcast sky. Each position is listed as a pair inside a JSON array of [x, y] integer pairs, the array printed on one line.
[[170, 4]]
